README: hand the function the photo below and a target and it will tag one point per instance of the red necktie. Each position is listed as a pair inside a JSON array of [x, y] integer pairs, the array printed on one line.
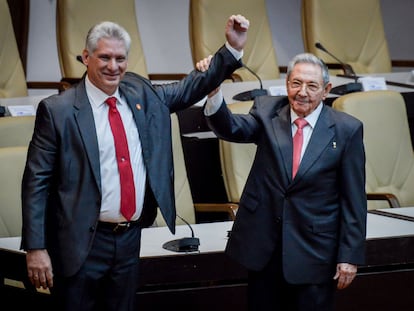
[[122, 157], [297, 144]]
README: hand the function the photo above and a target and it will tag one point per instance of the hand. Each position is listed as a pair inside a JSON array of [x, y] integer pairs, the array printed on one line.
[[203, 64], [345, 274], [236, 31], [39, 268]]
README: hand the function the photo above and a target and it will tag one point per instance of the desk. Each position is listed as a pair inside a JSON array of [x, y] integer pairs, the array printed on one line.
[[209, 280], [18, 101], [202, 154]]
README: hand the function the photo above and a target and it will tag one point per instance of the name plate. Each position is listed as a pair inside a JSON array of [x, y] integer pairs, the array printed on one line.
[[373, 83], [21, 110], [277, 90]]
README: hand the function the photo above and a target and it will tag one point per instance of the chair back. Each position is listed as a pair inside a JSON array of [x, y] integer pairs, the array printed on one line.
[[183, 199], [352, 30], [388, 147], [236, 159], [12, 162], [16, 131], [206, 26], [12, 76], [74, 18]]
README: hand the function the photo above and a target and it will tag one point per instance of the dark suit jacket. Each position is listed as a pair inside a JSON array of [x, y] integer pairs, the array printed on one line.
[[320, 215], [61, 188]]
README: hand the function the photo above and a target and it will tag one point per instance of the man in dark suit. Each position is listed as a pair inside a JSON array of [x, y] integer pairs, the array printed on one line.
[[299, 231], [79, 242]]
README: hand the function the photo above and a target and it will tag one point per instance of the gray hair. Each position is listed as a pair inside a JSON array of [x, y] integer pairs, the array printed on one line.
[[309, 58], [106, 30]]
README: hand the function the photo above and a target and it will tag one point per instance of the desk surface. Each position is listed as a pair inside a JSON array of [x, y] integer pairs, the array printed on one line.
[[213, 236], [230, 89], [405, 211]]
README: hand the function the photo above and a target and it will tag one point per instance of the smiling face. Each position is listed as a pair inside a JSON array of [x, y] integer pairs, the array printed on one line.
[[305, 88], [107, 64]]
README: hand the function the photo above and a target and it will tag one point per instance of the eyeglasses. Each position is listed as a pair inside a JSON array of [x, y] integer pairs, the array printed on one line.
[[310, 87]]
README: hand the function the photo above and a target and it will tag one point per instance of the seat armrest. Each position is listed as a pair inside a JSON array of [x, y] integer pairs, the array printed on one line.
[[166, 76], [229, 208], [389, 197], [402, 63], [60, 86]]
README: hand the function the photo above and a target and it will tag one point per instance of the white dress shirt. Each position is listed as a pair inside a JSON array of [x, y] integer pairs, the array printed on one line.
[[110, 184], [312, 118]]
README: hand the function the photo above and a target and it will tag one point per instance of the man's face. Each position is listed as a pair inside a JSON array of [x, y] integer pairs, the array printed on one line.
[[305, 88], [107, 64]]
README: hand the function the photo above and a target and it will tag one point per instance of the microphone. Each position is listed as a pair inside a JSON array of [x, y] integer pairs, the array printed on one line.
[[79, 59], [183, 244], [348, 70], [250, 95]]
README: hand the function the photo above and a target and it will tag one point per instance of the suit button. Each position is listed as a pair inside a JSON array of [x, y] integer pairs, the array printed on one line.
[[278, 220], [92, 229]]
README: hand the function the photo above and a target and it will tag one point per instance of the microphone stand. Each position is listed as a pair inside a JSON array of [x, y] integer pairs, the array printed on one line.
[[183, 244], [250, 95], [349, 72]]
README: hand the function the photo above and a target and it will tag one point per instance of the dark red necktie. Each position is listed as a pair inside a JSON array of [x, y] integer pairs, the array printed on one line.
[[297, 144], [122, 157]]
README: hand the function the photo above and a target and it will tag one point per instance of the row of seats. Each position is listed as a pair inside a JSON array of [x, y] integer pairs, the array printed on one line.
[[74, 18], [389, 152], [388, 147], [15, 135], [343, 27]]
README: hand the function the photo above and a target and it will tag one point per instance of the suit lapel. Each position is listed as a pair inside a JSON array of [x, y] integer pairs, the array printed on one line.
[[84, 118], [137, 106], [283, 134]]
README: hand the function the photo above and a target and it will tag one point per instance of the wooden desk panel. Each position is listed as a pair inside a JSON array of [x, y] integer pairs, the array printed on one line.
[[209, 280]]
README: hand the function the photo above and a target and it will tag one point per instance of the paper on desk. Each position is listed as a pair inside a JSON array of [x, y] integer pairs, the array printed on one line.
[[373, 83], [411, 77], [21, 110], [277, 90]]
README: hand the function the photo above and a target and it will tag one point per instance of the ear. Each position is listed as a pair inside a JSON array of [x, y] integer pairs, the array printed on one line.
[[327, 89], [85, 57]]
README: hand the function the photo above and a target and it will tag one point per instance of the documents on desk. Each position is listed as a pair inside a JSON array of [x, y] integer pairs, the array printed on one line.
[[21, 110], [19, 106], [411, 78], [373, 83]]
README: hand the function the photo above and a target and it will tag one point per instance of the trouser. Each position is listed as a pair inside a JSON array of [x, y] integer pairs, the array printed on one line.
[[108, 279]]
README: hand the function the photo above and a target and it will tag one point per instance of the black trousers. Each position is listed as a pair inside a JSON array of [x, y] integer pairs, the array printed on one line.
[[268, 290], [108, 280]]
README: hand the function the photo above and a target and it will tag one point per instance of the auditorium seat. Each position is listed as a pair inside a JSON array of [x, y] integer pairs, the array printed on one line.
[[12, 162], [206, 23], [389, 152], [351, 30], [73, 20], [186, 209], [236, 159], [12, 76], [16, 131]]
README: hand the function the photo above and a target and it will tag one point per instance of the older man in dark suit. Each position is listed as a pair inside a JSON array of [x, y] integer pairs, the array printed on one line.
[[99, 164], [301, 224]]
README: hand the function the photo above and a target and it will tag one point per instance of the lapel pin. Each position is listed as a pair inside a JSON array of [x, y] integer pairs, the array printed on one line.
[[334, 144], [138, 106]]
